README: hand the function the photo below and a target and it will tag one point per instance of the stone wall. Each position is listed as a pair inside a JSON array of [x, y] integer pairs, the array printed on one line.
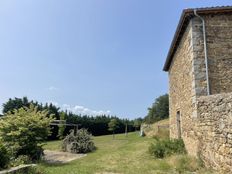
[[219, 50], [206, 121], [215, 130], [219, 44], [200, 84], [181, 91]]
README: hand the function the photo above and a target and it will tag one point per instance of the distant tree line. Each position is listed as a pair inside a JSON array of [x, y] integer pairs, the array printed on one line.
[[97, 125], [159, 110]]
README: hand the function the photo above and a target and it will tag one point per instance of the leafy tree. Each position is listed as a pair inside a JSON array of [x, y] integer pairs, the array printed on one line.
[[113, 125], [97, 125], [159, 109], [15, 103], [4, 157], [137, 123], [23, 131], [61, 127]]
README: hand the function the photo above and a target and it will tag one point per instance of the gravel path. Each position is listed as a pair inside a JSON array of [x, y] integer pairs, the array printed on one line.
[[60, 157]]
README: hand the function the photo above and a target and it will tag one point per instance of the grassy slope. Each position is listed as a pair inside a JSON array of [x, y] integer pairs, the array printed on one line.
[[123, 155], [151, 130]]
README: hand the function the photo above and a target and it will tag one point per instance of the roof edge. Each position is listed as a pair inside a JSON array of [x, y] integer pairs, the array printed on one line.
[[186, 16]]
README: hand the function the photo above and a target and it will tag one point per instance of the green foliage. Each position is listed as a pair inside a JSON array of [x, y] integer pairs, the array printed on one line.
[[61, 127], [31, 170], [21, 159], [23, 131], [137, 123], [14, 104], [80, 143], [4, 157], [97, 125], [159, 110], [167, 147], [112, 126]]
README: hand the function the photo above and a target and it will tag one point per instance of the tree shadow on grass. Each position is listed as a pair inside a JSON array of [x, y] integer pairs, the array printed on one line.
[[56, 164]]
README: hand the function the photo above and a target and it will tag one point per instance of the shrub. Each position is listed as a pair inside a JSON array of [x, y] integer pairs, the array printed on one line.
[[4, 157], [22, 159], [166, 147], [79, 143], [23, 131]]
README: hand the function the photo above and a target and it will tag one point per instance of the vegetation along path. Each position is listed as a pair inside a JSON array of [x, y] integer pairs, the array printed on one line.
[[124, 155]]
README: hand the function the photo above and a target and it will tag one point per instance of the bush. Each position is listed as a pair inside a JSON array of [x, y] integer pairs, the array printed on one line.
[[79, 143], [166, 147], [22, 159], [4, 157], [23, 131]]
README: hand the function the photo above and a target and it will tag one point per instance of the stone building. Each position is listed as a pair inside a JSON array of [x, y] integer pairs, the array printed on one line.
[[199, 64]]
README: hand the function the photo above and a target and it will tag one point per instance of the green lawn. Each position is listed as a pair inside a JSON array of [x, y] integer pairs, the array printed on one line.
[[124, 155]]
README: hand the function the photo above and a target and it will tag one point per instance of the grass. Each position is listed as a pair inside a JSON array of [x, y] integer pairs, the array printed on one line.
[[124, 155], [152, 130]]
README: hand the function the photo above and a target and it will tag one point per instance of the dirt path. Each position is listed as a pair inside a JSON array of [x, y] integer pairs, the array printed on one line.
[[60, 157]]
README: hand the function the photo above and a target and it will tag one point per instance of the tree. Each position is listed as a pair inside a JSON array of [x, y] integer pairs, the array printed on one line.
[[137, 123], [159, 109], [112, 126], [24, 130], [4, 157], [61, 127], [15, 103]]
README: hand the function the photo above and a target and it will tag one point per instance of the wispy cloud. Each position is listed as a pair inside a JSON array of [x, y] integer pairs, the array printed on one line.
[[77, 109], [52, 88]]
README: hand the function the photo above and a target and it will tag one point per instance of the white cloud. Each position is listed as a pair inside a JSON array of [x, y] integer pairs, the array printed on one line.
[[52, 88], [1, 108], [78, 109], [83, 110], [53, 102]]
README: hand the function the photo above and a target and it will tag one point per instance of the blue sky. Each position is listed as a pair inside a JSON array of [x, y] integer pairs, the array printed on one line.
[[89, 56]]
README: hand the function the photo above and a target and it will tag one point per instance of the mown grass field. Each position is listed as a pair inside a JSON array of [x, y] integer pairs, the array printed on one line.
[[124, 155]]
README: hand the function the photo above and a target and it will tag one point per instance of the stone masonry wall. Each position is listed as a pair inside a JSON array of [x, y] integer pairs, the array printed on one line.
[[215, 130], [219, 44], [181, 91], [206, 121], [219, 50], [200, 84]]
